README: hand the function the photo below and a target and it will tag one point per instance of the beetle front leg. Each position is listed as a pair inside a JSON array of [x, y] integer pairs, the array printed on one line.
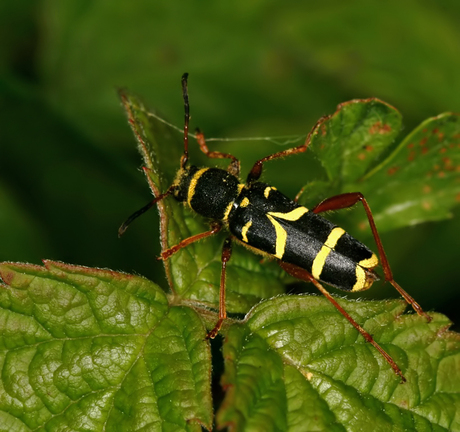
[[215, 228]]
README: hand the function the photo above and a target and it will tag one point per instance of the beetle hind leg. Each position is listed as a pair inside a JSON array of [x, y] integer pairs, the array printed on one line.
[[347, 200], [302, 274]]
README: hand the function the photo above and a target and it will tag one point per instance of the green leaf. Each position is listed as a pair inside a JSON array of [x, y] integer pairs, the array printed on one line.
[[418, 180], [194, 272], [96, 349], [90, 349], [296, 364], [354, 137]]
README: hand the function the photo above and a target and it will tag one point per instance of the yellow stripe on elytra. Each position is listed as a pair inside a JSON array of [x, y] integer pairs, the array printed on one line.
[[192, 187], [360, 283], [281, 237], [334, 236], [369, 263], [244, 231], [329, 244], [293, 215], [318, 262], [244, 202]]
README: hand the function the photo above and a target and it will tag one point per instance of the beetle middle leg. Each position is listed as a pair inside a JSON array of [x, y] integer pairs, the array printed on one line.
[[226, 254]]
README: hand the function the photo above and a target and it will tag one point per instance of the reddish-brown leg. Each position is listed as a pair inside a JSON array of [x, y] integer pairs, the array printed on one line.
[[256, 170], [233, 168], [215, 228], [302, 274], [226, 254], [347, 200]]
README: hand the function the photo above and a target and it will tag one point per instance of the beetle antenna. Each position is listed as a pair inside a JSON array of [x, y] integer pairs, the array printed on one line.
[[184, 158], [124, 226]]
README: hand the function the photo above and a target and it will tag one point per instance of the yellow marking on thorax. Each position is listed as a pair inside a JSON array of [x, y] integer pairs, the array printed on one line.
[[240, 187], [244, 231], [329, 244], [192, 186], [293, 215], [244, 202], [281, 237], [267, 191], [369, 263]]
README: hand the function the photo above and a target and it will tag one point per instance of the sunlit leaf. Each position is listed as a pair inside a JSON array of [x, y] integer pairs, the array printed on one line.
[[296, 364], [92, 347]]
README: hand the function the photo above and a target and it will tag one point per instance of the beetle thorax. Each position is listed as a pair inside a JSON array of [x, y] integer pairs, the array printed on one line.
[[210, 192]]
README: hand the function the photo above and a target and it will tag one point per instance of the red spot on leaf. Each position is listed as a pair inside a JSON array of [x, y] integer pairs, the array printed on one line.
[[362, 156], [425, 130], [7, 277], [368, 148], [426, 205], [323, 129], [443, 150], [426, 189], [457, 197], [435, 131], [411, 145], [411, 156], [379, 128], [425, 150], [441, 174], [440, 136], [423, 141], [392, 170]]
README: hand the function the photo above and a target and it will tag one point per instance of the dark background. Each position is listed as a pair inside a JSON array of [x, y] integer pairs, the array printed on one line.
[[69, 174]]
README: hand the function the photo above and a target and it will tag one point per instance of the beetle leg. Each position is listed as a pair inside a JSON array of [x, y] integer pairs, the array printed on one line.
[[302, 274], [347, 200], [215, 228], [256, 170], [226, 254], [233, 168]]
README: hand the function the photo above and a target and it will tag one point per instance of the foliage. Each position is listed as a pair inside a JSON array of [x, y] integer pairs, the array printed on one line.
[[89, 348]]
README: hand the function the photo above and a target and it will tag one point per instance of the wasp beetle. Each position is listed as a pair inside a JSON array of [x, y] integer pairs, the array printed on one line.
[[257, 215]]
